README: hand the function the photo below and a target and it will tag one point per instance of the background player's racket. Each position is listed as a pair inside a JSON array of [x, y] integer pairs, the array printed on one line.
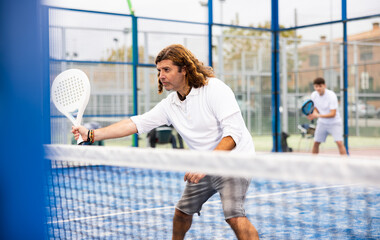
[[70, 93], [308, 108]]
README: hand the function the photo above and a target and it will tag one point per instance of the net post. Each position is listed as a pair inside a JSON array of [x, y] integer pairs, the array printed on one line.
[[276, 120], [135, 60], [21, 102], [345, 74]]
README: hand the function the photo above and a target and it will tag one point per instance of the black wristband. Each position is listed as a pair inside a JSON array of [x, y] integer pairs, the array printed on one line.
[[88, 136]]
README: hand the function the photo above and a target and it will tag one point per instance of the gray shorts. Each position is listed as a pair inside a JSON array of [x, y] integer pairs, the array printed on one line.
[[232, 192], [323, 130]]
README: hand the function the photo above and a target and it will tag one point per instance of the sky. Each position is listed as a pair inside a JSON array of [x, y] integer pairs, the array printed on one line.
[[249, 12]]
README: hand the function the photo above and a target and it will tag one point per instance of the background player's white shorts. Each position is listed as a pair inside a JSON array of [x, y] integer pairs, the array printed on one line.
[[323, 130]]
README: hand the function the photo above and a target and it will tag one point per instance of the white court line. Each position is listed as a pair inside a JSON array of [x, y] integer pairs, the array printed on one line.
[[211, 202], [288, 192], [111, 214]]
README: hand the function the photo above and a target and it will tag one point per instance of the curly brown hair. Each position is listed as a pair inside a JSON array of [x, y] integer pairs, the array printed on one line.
[[197, 72]]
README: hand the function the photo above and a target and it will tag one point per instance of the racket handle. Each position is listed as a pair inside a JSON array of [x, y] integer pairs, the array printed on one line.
[[80, 140]]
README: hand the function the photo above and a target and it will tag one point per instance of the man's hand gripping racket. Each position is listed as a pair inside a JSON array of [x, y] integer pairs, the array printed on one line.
[[70, 93]]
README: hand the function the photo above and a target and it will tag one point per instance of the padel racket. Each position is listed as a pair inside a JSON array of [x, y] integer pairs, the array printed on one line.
[[70, 93], [308, 108]]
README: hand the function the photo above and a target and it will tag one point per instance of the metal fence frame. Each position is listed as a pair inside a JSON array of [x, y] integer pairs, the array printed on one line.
[[275, 59]]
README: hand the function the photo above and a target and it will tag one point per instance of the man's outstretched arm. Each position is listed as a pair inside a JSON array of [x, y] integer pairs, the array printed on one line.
[[123, 128]]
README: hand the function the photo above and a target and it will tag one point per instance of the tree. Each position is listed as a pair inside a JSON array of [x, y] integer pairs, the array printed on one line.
[[252, 40]]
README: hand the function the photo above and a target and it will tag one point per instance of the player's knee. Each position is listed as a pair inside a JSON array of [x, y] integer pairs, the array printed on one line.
[[181, 216], [243, 227], [233, 221], [232, 213]]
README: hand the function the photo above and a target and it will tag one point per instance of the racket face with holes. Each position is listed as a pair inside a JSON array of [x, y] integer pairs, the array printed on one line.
[[70, 93], [308, 107]]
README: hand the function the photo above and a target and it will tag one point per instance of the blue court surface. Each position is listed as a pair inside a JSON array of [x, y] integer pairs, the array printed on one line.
[[97, 202]]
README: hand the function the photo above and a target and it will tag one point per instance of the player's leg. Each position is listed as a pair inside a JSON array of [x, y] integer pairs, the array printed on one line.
[[193, 197], [232, 193], [181, 224], [315, 149], [320, 136], [243, 228], [341, 148], [336, 130]]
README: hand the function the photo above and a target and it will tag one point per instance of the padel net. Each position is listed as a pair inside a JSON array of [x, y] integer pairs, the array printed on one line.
[[130, 193]]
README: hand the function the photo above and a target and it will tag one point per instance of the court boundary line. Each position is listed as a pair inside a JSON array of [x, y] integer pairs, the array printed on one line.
[[290, 192]]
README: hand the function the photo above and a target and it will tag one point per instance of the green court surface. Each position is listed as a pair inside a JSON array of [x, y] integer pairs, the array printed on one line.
[[300, 144], [295, 141]]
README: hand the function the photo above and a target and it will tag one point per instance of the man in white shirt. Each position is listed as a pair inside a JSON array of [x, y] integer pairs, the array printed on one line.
[[205, 113], [329, 120]]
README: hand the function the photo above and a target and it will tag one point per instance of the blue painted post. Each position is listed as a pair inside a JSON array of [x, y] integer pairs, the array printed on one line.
[[345, 75], [210, 23], [135, 61], [276, 121], [46, 75], [21, 100]]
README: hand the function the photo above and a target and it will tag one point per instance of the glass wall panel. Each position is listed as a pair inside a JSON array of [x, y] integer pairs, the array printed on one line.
[[359, 8], [364, 77], [242, 59], [255, 13], [98, 45], [85, 36], [298, 12], [156, 35], [183, 10], [305, 56]]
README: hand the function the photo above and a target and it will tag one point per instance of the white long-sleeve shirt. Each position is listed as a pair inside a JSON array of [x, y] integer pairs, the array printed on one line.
[[207, 115]]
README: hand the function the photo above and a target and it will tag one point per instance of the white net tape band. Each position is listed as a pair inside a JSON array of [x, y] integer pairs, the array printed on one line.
[[279, 166]]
